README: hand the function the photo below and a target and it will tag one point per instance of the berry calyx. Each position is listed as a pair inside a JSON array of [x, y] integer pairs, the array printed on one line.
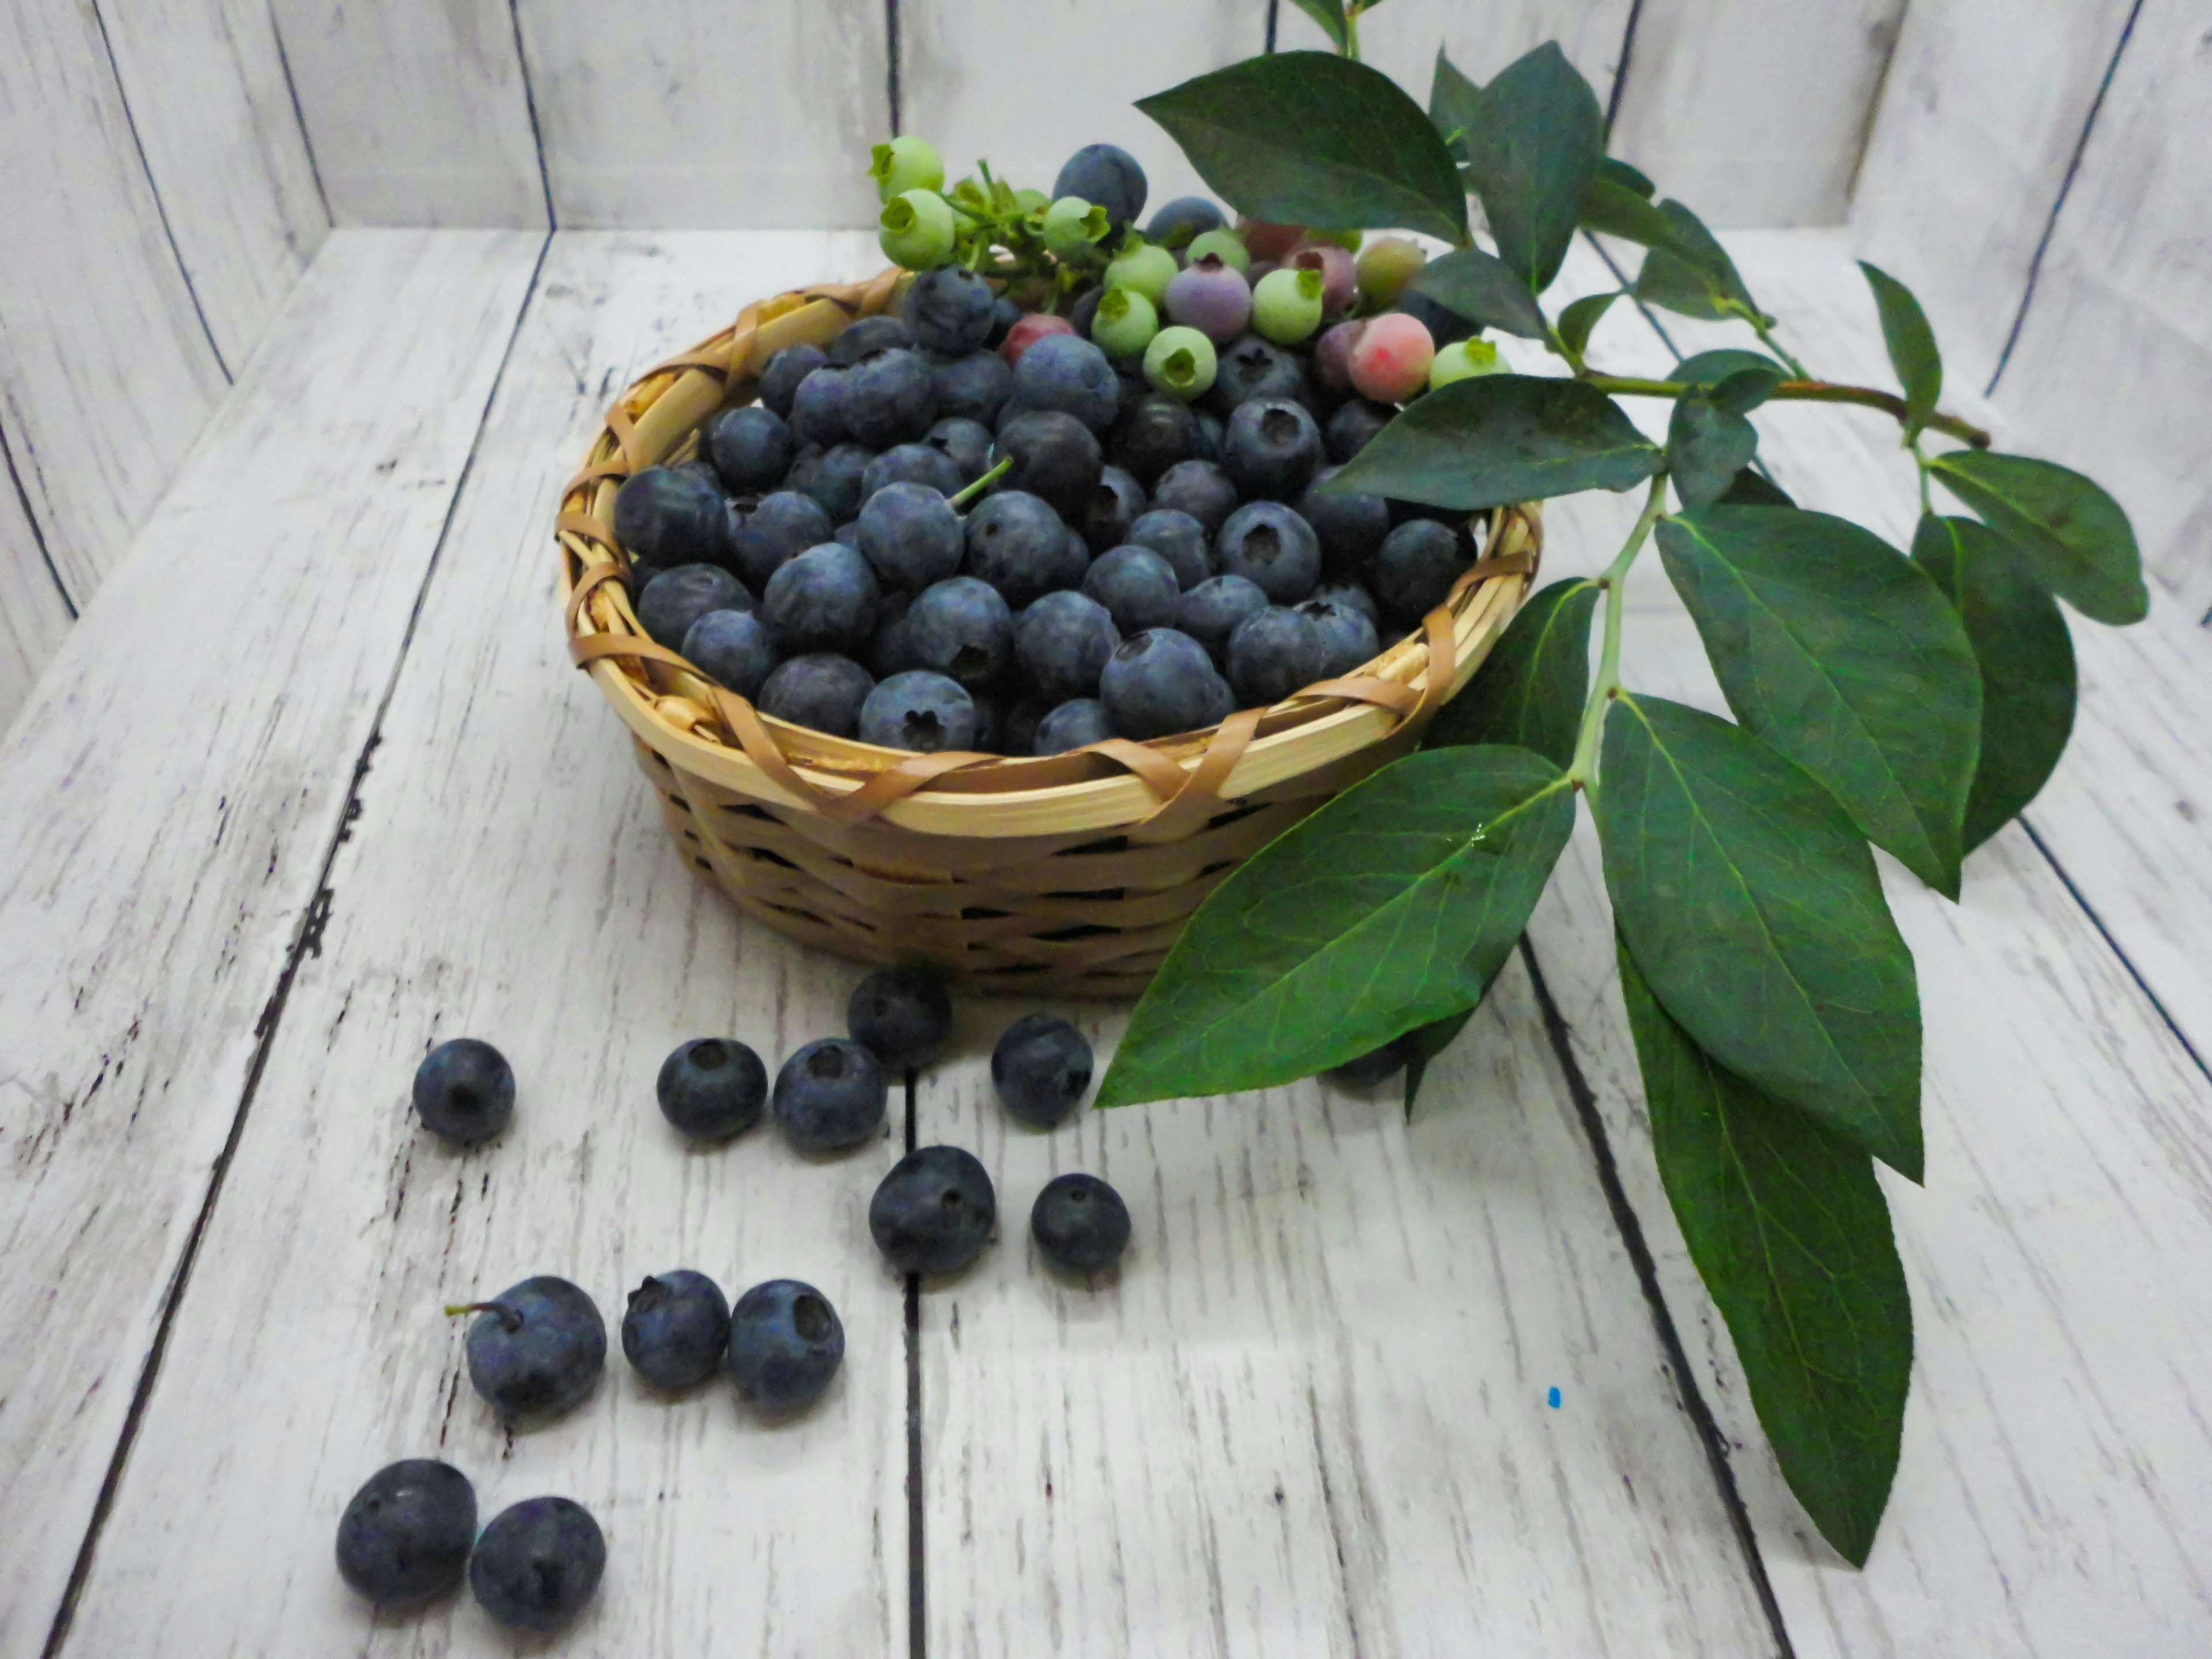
[[1385, 266], [1463, 360], [904, 164], [1073, 227], [1180, 362], [916, 230], [1286, 304], [1125, 322], [1390, 359]]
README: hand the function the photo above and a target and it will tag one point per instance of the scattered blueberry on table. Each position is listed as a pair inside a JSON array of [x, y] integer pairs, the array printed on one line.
[[537, 1349], [830, 1095], [785, 1344], [1040, 1067], [538, 1563], [1080, 1224], [935, 1211], [406, 1535], [712, 1088], [464, 1091], [677, 1328]]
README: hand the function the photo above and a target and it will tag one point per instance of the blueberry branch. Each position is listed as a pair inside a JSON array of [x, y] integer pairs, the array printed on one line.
[[1582, 775], [1804, 392]]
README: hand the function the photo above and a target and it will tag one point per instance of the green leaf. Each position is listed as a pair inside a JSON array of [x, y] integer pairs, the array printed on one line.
[[1845, 656], [1615, 207], [1754, 489], [1706, 447], [1330, 15], [1529, 690], [1425, 1044], [1472, 284], [1304, 137], [1790, 1233], [1912, 345], [1532, 150], [2073, 536], [1715, 368], [2026, 658], [1579, 320], [1392, 906], [1753, 908], [1618, 172], [1496, 439], [1452, 102], [1691, 273]]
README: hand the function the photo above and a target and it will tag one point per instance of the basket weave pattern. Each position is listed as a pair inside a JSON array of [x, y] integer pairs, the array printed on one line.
[[1071, 873]]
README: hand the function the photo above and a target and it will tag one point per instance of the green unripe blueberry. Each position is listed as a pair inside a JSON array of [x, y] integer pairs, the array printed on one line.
[[1463, 361], [902, 165], [1031, 201], [1124, 322], [1386, 266], [1224, 246], [916, 230], [1180, 362], [1073, 227], [1145, 270], [1286, 304]]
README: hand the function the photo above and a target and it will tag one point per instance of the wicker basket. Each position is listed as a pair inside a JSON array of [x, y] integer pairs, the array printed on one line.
[[1070, 874]]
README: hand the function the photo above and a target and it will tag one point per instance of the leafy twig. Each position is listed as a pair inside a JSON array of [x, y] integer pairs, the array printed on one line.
[[1583, 773], [1813, 391]]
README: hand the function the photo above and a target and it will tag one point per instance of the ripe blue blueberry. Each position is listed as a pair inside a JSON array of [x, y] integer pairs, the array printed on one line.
[[1270, 546], [785, 1344], [829, 1095], [1080, 1224], [1109, 176], [1055, 457], [1348, 635], [960, 628], [1017, 544], [1271, 449], [1253, 367], [909, 534], [1076, 724], [1137, 586], [783, 525], [1117, 503], [1353, 427], [537, 1349], [406, 1535], [1415, 567], [821, 690], [948, 309], [965, 442], [712, 1088], [1063, 642], [920, 464], [1161, 682], [934, 1211], [1178, 538], [868, 337], [848, 534], [1155, 433], [1005, 314], [1023, 721], [1350, 527], [975, 387], [888, 398], [1040, 1067], [920, 711], [990, 722], [903, 1016], [1213, 610], [833, 477], [1085, 311], [817, 408], [1176, 222], [677, 1330], [1272, 654], [1351, 595], [734, 649], [1377, 1066], [1069, 374], [676, 598], [1199, 489], [749, 448], [664, 517], [780, 375], [464, 1091], [822, 600], [538, 1563], [888, 652]]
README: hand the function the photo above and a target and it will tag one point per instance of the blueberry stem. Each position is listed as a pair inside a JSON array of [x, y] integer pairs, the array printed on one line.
[[1582, 775], [510, 1318], [961, 498]]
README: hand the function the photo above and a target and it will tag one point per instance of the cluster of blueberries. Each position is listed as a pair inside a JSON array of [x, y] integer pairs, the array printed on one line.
[[538, 1348], [967, 527]]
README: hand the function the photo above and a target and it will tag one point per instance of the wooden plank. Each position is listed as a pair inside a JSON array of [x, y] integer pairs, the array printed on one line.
[[2053, 1443], [172, 789], [1754, 114], [680, 115], [418, 114], [1984, 105], [33, 615], [205, 84], [1481, 40], [508, 874]]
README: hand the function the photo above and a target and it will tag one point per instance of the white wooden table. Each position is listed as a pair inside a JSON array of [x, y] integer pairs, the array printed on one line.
[[313, 786]]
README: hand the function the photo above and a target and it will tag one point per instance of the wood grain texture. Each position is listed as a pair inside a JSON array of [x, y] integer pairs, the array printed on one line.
[[32, 616], [1307, 1413], [172, 788], [1984, 105], [418, 114], [507, 875], [1401, 40], [696, 113], [1753, 113]]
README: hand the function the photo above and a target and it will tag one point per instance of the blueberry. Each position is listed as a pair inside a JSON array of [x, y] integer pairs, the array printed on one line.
[[848, 534], [1210, 433], [960, 628], [868, 337], [1272, 654], [1017, 544], [1080, 1224], [888, 398], [406, 1535], [1005, 314], [1063, 643], [888, 651], [1415, 569], [676, 598], [677, 1330], [821, 690], [1272, 546], [1109, 176], [1174, 224], [1375, 1066], [919, 711], [822, 600], [975, 387], [780, 377], [538, 1563], [1055, 457], [1159, 431], [712, 1088], [1178, 538], [909, 534], [1117, 503], [1085, 312], [1075, 724], [1348, 639], [1271, 449], [1253, 367], [464, 1091], [1071, 375], [1199, 489], [1023, 721], [990, 723], [1350, 527], [1212, 611], [948, 309], [817, 408], [1353, 427], [829, 1095], [750, 448], [1212, 298], [783, 525], [1160, 682], [1137, 586], [663, 519], [1351, 595], [785, 1344], [903, 1016], [537, 1349], [1040, 1067], [934, 1211], [965, 442], [919, 463], [697, 467], [833, 477]]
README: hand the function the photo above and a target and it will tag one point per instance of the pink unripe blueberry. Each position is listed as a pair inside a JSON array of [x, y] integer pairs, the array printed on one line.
[[1331, 357], [1211, 298], [1339, 281], [1390, 359], [1263, 240], [1028, 331]]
